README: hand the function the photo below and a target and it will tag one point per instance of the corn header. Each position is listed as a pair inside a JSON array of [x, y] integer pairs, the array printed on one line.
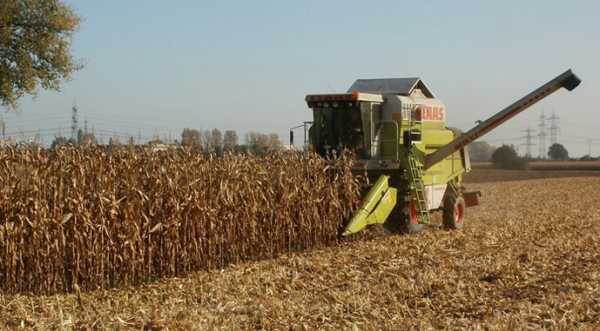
[[397, 130]]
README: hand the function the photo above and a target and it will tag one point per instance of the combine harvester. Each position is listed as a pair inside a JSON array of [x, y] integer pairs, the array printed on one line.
[[397, 130]]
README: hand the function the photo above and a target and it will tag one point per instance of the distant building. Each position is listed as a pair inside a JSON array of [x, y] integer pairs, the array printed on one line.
[[162, 147]]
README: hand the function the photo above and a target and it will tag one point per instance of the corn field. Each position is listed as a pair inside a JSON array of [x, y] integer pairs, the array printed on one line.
[[98, 218]]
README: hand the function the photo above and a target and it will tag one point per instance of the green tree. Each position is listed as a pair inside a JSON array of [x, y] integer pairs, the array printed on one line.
[[257, 143], [505, 157], [155, 141], [230, 140], [207, 141], [86, 138], [262, 144], [216, 141], [191, 138], [274, 142], [114, 141], [558, 152], [35, 45], [481, 151], [59, 141]]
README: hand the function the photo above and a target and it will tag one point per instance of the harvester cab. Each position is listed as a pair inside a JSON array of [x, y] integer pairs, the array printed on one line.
[[396, 129]]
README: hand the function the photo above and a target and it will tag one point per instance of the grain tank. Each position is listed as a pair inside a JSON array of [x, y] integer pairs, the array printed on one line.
[[396, 128]]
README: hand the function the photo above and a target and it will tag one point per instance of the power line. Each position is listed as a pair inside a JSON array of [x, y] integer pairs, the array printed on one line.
[[502, 139], [528, 142], [137, 124], [583, 138], [23, 132], [554, 129], [542, 136], [577, 125], [40, 119], [74, 122]]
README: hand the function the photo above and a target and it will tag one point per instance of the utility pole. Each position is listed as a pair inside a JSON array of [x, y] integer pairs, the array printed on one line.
[[542, 136], [528, 142], [74, 123], [306, 127], [554, 129], [589, 142]]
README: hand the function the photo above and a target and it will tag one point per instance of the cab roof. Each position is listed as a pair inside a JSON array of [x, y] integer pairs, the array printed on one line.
[[399, 86]]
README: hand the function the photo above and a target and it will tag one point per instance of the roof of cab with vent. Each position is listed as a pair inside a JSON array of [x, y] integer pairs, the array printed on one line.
[[400, 86]]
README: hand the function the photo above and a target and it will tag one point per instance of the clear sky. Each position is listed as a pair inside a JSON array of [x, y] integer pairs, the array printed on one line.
[[160, 66]]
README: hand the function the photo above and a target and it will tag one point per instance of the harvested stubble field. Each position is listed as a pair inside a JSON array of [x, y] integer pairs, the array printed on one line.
[[552, 167], [528, 258], [488, 174], [566, 165]]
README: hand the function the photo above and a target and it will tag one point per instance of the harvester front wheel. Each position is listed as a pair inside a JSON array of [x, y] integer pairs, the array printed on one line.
[[454, 211], [410, 220]]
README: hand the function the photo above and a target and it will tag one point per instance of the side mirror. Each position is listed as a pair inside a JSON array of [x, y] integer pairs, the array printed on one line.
[[406, 139]]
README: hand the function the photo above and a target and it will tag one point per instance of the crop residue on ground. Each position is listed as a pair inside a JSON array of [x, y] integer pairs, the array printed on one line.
[[528, 258]]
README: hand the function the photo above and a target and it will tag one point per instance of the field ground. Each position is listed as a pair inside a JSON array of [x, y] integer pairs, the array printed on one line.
[[571, 165], [528, 258], [489, 175]]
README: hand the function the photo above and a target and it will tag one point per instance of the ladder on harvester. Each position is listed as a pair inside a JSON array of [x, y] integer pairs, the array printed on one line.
[[415, 174], [417, 189]]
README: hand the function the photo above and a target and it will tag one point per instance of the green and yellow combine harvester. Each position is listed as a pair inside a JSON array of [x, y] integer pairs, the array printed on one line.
[[397, 130]]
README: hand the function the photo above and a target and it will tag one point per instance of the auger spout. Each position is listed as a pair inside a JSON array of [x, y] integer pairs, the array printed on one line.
[[568, 80]]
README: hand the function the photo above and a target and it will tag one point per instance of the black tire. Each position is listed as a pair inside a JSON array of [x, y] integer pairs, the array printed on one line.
[[399, 221], [409, 220], [454, 211]]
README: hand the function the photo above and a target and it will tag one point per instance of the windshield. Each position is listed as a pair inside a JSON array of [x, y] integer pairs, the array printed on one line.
[[337, 129]]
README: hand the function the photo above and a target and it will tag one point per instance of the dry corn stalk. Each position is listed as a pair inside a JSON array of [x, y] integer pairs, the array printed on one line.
[[101, 218]]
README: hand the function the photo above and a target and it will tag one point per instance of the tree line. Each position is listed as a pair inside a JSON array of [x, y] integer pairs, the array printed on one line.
[[507, 157], [212, 141]]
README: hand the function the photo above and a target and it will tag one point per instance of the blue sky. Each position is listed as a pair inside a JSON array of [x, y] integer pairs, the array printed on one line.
[[159, 66]]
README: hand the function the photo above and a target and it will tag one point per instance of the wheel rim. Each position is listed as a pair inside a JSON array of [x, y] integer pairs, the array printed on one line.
[[412, 208], [459, 213]]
